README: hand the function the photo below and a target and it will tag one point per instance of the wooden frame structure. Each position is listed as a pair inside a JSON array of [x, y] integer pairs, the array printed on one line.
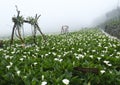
[[64, 29], [18, 24]]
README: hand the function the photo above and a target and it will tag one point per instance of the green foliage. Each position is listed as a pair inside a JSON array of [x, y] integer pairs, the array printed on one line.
[[54, 60], [18, 20], [31, 20]]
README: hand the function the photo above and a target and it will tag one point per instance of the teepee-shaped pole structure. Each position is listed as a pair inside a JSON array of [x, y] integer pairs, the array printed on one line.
[[34, 24], [18, 23]]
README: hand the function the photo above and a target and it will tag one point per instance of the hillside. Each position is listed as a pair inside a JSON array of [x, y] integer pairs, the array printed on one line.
[[113, 28], [111, 24], [53, 62]]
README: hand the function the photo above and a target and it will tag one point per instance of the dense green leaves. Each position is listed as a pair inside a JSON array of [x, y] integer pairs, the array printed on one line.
[[54, 60]]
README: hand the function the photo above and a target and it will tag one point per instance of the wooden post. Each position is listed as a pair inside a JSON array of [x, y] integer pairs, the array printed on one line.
[[12, 34], [38, 28]]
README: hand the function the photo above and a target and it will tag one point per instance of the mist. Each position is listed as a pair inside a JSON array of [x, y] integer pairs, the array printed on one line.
[[76, 14]]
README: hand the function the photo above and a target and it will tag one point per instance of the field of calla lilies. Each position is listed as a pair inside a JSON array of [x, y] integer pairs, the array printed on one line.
[[53, 62]]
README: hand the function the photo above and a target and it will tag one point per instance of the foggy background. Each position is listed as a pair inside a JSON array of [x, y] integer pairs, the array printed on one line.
[[54, 13]]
